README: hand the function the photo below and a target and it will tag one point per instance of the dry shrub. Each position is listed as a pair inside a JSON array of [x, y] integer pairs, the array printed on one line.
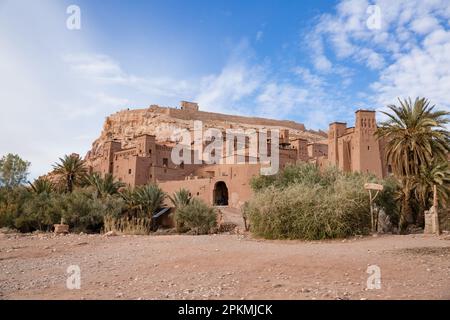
[[312, 210], [196, 217], [129, 226]]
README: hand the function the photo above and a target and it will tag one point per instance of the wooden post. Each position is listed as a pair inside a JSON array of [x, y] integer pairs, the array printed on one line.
[[436, 211], [371, 211], [378, 188], [435, 200]]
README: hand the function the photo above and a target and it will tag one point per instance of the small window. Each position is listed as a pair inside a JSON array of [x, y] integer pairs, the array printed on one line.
[[368, 147], [198, 193], [150, 151], [129, 171], [182, 165], [165, 162]]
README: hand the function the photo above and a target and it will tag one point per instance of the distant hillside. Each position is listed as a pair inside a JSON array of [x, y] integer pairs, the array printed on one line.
[[162, 121]]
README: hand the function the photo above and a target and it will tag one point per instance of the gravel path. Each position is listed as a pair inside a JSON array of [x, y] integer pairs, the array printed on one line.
[[222, 267]]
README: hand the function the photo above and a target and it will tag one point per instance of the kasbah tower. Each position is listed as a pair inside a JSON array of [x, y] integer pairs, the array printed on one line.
[[135, 147], [356, 148]]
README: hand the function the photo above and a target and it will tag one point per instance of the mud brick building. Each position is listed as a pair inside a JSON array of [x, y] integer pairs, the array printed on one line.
[[136, 148]]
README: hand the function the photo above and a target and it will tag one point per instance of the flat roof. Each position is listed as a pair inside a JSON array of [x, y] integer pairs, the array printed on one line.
[[145, 134], [295, 139], [364, 110], [337, 122]]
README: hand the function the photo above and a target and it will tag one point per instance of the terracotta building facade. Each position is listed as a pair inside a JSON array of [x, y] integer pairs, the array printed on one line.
[[350, 149]]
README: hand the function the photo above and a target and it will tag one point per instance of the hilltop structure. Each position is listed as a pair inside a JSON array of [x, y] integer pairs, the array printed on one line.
[[136, 148]]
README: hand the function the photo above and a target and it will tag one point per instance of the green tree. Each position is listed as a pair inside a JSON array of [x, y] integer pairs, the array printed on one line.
[[180, 198], [42, 185], [416, 137], [71, 169], [104, 186], [131, 203], [438, 174], [13, 171], [149, 198]]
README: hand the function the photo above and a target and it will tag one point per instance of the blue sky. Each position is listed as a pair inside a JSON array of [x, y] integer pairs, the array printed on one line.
[[309, 61]]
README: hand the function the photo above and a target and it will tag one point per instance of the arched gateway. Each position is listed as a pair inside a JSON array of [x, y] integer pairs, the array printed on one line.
[[220, 195]]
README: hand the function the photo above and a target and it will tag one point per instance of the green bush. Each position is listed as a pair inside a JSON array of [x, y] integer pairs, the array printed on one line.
[[12, 201], [196, 217], [303, 203], [39, 212], [82, 210], [387, 200], [296, 174]]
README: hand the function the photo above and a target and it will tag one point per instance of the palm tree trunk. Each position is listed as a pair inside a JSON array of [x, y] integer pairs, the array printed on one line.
[[69, 184], [406, 214]]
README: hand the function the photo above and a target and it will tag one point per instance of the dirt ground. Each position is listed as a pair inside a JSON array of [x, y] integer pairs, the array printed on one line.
[[222, 267]]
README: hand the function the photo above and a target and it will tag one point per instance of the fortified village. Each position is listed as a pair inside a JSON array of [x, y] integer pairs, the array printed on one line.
[[135, 146]]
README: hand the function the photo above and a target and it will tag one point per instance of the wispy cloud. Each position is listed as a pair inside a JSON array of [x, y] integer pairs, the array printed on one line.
[[58, 87], [408, 56]]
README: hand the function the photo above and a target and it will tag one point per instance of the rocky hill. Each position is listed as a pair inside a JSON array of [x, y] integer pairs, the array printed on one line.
[[124, 125]]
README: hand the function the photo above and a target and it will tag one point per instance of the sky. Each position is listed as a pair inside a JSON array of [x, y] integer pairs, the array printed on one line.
[[310, 61]]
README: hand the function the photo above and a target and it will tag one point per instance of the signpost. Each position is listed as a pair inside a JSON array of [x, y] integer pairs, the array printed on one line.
[[373, 187]]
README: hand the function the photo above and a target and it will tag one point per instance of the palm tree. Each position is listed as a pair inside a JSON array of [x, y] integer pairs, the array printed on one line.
[[71, 169], [149, 198], [416, 136], [437, 175], [180, 198], [104, 186], [42, 185], [131, 201]]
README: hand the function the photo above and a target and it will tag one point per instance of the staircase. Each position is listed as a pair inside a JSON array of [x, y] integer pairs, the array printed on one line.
[[231, 216]]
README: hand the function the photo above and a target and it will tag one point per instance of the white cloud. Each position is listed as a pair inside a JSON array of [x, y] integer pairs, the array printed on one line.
[[410, 55], [424, 25], [322, 63], [278, 100], [55, 96]]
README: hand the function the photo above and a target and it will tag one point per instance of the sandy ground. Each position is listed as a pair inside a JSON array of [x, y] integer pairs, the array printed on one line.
[[222, 267]]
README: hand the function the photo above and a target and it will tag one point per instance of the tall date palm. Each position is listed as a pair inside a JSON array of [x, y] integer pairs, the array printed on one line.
[[71, 169], [104, 186], [416, 137]]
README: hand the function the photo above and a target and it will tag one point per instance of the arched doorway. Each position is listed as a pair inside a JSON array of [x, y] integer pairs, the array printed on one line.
[[220, 194]]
